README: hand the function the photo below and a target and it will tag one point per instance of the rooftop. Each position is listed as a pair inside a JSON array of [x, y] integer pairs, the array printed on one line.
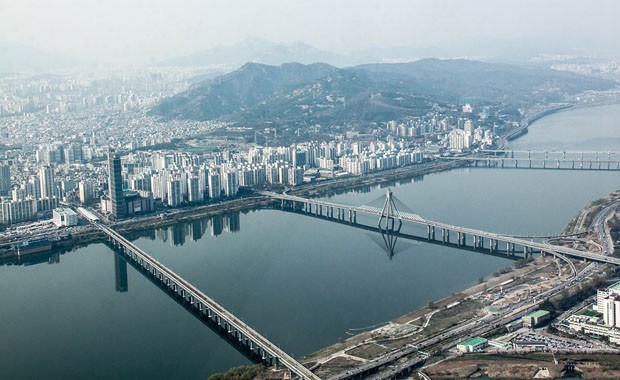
[[615, 286], [65, 210], [537, 314], [473, 342]]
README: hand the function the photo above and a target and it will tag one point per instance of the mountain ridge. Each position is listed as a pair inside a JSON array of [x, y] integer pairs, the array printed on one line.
[[319, 92]]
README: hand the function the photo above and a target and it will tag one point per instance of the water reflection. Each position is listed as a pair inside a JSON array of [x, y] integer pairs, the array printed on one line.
[[179, 233], [120, 270], [52, 257], [363, 189]]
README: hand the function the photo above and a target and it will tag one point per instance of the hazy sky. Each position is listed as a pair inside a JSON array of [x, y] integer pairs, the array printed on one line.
[[146, 30]]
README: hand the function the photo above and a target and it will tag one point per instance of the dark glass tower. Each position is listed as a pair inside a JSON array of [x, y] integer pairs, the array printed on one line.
[[115, 184]]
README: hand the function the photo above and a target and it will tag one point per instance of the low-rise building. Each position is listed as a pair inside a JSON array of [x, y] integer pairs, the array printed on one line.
[[64, 217], [472, 345], [592, 326], [535, 318]]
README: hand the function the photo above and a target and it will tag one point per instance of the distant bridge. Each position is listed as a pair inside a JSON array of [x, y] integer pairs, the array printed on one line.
[[543, 162], [479, 239], [233, 326]]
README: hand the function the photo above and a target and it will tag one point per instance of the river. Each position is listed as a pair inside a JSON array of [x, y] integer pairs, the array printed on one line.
[[300, 281]]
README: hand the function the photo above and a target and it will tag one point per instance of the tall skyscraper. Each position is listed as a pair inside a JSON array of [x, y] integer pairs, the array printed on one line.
[[46, 178], [86, 192], [5, 179], [115, 187]]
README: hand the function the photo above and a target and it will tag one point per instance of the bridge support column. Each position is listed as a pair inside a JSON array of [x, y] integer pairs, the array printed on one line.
[[350, 216], [446, 235]]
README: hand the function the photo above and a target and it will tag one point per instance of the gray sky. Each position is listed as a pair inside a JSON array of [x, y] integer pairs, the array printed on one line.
[[145, 30]]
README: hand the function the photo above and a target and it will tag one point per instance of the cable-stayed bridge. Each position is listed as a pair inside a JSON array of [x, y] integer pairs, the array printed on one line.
[[389, 216]]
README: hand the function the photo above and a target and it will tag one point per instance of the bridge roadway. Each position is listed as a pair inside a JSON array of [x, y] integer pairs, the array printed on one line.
[[209, 307], [546, 152], [477, 235], [541, 163]]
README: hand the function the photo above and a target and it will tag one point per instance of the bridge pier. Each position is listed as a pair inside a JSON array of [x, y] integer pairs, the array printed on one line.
[[431, 232], [510, 248], [445, 235]]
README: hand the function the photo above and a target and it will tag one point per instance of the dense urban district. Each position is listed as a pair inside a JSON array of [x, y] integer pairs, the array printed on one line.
[[92, 152]]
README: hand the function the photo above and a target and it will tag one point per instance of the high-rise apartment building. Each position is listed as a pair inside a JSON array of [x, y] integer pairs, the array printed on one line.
[[46, 179]]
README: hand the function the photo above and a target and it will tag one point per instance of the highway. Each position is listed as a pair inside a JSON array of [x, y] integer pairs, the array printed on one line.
[[599, 223]]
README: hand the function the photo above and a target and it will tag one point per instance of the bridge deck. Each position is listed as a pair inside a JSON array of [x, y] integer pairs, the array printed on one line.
[[273, 350], [414, 218]]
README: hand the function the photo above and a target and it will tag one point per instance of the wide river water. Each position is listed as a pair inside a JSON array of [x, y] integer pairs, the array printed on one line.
[[300, 281]]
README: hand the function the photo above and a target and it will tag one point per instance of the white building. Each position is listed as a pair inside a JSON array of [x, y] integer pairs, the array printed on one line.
[[174, 192], [230, 183], [64, 217], [215, 186]]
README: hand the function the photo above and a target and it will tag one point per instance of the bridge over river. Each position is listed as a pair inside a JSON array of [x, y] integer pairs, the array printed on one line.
[[542, 159], [388, 215], [232, 326]]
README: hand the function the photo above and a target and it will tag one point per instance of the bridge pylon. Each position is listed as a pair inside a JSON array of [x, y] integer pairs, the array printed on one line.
[[389, 213]]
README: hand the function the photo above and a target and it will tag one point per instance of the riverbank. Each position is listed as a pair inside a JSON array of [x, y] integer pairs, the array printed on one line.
[[453, 310]]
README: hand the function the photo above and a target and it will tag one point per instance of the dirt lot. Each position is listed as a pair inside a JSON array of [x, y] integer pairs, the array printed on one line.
[[526, 366]]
